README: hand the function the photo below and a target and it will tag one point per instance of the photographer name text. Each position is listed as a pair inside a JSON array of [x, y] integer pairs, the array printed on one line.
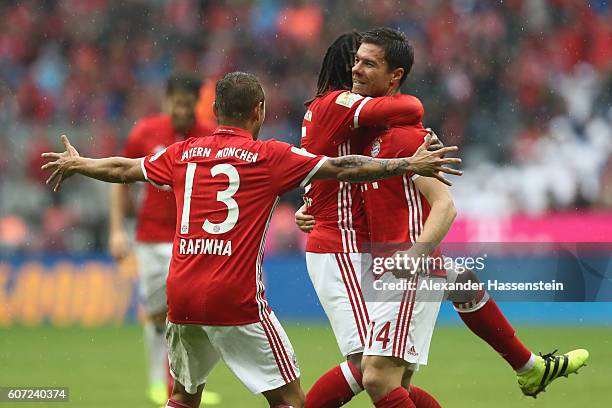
[[489, 285]]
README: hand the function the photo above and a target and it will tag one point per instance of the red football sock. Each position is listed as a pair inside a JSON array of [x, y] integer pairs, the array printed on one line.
[[335, 388], [422, 399], [490, 324], [175, 404], [398, 398]]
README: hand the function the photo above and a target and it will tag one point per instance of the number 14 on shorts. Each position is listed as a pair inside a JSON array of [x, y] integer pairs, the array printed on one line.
[[381, 336]]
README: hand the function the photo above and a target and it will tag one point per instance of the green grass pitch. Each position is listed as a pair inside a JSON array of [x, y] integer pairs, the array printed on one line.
[[105, 367]]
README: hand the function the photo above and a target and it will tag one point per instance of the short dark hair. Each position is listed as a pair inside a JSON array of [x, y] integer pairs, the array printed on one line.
[[337, 64], [237, 94], [398, 51], [183, 83]]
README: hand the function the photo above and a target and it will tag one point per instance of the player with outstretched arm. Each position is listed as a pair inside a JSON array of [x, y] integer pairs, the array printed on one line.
[[155, 223]]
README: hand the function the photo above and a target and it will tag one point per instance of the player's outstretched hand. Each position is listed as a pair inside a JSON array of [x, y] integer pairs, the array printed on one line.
[[305, 222], [62, 164], [432, 164]]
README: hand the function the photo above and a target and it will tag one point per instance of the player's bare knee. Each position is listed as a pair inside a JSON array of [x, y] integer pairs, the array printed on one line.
[[467, 276], [375, 372], [373, 381], [382, 374]]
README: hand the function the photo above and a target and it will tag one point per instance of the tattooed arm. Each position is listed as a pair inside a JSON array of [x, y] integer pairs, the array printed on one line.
[[355, 168]]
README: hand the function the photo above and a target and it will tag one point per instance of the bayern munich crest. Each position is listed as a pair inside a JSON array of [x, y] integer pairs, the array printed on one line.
[[375, 147]]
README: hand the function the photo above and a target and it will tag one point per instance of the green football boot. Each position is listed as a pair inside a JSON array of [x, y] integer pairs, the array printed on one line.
[[549, 367]]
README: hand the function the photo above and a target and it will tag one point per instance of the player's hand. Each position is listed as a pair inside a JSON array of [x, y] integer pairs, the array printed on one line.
[[304, 221], [407, 268], [118, 244], [62, 167], [436, 143], [432, 164], [412, 261]]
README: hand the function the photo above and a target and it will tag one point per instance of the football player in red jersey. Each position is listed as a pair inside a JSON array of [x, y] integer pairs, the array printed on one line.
[[226, 186], [373, 77], [336, 123], [155, 222], [401, 325]]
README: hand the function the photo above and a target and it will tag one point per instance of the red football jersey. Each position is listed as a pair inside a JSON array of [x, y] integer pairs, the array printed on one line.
[[333, 126], [156, 214], [396, 210], [226, 187]]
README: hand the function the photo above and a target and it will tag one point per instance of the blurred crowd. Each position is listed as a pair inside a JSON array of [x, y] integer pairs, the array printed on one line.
[[524, 87]]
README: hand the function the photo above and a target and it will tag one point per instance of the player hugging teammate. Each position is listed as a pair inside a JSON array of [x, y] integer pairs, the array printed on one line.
[[358, 109]]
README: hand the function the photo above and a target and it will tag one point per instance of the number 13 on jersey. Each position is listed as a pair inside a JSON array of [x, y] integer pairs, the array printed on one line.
[[224, 196]]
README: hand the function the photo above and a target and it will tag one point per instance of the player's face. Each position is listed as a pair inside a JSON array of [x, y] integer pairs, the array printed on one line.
[[182, 107], [371, 73]]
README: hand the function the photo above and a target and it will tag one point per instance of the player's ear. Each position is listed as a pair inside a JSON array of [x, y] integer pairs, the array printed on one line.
[[397, 74], [215, 110]]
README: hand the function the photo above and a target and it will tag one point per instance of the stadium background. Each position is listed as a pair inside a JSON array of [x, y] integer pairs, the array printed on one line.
[[524, 87]]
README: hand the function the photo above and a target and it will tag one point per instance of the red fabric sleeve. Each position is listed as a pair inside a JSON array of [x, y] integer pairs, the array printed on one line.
[[290, 166], [158, 167], [336, 115], [394, 110]]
